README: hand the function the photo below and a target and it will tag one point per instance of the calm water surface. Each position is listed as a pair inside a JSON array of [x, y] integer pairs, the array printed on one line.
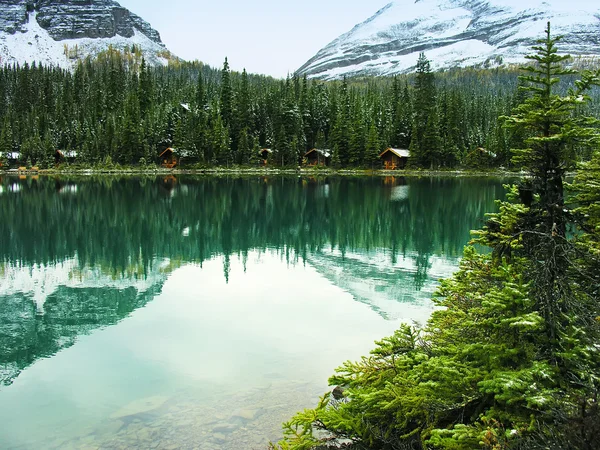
[[202, 312]]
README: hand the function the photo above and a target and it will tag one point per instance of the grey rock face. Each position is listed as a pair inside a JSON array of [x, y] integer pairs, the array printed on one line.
[[13, 15], [455, 33], [74, 19]]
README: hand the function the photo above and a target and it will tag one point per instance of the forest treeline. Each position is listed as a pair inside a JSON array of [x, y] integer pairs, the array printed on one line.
[[116, 109]]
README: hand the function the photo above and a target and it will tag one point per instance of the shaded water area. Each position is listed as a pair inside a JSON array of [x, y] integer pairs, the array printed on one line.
[[183, 312]]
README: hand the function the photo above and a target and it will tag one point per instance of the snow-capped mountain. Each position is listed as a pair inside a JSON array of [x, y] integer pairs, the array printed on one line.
[[60, 32], [456, 33]]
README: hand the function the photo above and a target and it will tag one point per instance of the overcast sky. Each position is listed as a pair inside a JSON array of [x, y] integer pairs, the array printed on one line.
[[272, 37]]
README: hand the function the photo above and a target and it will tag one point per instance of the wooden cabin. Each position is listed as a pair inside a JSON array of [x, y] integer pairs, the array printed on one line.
[[169, 183], [12, 158], [394, 158], [317, 157], [264, 154], [61, 156], [168, 158]]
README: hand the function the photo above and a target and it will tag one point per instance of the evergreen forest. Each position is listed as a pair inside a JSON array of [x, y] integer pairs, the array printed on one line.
[[118, 110]]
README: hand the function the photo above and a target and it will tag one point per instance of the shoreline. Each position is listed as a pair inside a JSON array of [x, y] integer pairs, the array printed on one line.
[[261, 172]]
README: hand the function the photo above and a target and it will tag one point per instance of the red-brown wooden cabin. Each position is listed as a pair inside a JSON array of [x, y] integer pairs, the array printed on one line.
[[168, 158], [394, 158], [317, 157]]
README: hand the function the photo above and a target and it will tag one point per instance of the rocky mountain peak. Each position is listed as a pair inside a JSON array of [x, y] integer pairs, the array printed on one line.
[[38, 30], [74, 19]]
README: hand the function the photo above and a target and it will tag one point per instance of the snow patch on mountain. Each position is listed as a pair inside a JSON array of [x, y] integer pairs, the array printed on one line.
[[455, 33], [34, 44]]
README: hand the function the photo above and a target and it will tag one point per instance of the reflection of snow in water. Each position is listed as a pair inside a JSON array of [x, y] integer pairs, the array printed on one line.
[[69, 189], [324, 191], [399, 193], [393, 290], [41, 281]]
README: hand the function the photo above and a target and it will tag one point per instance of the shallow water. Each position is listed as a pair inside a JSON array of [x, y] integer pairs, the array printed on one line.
[[202, 312]]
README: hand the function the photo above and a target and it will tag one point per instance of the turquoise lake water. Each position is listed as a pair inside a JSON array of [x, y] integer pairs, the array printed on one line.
[[186, 312]]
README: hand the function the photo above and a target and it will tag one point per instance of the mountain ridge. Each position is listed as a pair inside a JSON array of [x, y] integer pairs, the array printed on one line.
[[454, 33]]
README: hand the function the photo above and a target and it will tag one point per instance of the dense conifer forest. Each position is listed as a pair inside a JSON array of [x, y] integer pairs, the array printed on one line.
[[118, 110]]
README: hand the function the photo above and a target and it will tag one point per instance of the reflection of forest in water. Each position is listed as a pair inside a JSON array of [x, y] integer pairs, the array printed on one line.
[[119, 239]]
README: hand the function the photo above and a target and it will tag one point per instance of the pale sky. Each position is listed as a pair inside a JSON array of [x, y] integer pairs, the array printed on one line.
[[264, 36]]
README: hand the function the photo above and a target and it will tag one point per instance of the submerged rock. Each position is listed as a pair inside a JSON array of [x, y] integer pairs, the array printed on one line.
[[338, 392], [140, 406], [247, 414]]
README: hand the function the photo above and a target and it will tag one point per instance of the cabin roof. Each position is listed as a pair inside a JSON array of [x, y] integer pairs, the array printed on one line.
[[67, 154], [399, 152], [168, 150], [182, 153], [186, 106], [12, 155], [486, 151], [324, 152], [268, 150]]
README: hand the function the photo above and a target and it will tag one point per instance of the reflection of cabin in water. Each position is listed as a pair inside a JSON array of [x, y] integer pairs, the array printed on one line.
[[265, 154], [317, 157], [168, 158], [64, 156], [168, 184], [394, 158], [399, 188]]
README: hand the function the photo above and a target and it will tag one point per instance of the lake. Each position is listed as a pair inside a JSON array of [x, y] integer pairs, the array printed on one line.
[[189, 312]]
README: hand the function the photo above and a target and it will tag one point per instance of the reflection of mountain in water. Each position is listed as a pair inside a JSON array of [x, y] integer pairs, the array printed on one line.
[[388, 289], [44, 309], [397, 236]]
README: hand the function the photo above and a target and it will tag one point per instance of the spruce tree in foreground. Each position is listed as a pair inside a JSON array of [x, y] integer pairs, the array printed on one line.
[[511, 360]]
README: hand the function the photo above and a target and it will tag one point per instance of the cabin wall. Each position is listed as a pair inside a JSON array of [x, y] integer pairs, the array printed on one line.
[[392, 160]]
